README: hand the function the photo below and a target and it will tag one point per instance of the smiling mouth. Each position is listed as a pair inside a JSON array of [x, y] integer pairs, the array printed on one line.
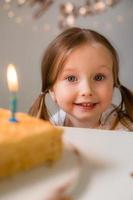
[[86, 105]]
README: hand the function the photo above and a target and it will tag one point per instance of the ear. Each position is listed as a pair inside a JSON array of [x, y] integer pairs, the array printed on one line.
[[52, 94]]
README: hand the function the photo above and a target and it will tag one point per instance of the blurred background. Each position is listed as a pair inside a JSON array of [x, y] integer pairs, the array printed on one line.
[[27, 27]]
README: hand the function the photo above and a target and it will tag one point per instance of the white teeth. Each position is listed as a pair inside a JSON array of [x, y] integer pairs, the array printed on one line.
[[86, 104]]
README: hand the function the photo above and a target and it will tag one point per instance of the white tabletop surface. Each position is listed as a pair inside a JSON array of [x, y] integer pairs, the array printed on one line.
[[109, 156], [107, 164]]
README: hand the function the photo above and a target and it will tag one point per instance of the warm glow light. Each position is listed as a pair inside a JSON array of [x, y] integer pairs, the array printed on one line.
[[99, 6], [69, 7], [12, 78], [70, 20]]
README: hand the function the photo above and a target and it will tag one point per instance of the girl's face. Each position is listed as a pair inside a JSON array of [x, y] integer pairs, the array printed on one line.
[[85, 85]]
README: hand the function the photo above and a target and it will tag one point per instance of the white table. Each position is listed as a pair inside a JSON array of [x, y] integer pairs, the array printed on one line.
[[110, 163], [107, 164]]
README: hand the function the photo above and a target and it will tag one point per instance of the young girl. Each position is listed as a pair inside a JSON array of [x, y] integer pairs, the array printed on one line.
[[80, 71]]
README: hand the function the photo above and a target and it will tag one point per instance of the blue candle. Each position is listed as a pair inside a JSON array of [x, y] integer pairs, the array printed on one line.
[[13, 107], [13, 88]]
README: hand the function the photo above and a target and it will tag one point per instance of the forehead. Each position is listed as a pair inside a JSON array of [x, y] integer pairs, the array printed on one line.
[[91, 55]]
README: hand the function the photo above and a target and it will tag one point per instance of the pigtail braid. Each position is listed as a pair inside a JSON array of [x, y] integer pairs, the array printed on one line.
[[127, 101], [39, 109], [125, 109]]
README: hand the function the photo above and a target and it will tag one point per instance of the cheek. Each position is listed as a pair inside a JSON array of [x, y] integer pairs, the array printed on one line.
[[63, 94], [106, 93]]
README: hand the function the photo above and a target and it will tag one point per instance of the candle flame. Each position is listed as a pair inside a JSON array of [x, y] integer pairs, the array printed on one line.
[[12, 78]]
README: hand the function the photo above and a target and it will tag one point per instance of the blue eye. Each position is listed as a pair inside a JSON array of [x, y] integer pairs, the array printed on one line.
[[99, 77], [71, 78]]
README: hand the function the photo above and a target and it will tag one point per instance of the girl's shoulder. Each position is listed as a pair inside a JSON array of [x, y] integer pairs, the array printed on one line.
[[110, 117]]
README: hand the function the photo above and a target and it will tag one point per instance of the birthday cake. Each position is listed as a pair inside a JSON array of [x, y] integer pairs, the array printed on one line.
[[27, 143]]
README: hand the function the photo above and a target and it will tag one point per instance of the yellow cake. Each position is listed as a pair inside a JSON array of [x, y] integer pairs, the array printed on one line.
[[28, 143]]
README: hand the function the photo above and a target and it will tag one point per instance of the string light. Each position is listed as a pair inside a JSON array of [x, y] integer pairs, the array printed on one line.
[[68, 11], [90, 7]]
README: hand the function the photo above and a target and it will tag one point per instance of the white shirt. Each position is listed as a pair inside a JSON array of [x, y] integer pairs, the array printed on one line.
[[58, 118]]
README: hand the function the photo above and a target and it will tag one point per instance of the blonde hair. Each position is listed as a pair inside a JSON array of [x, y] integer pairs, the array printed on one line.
[[52, 63]]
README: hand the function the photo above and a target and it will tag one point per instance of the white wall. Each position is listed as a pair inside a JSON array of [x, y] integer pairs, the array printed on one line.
[[24, 43]]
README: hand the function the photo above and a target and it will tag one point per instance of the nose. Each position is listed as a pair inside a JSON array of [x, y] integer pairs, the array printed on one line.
[[86, 88]]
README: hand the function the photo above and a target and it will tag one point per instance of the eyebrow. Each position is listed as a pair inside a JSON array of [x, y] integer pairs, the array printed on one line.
[[105, 66], [68, 70], [102, 66]]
